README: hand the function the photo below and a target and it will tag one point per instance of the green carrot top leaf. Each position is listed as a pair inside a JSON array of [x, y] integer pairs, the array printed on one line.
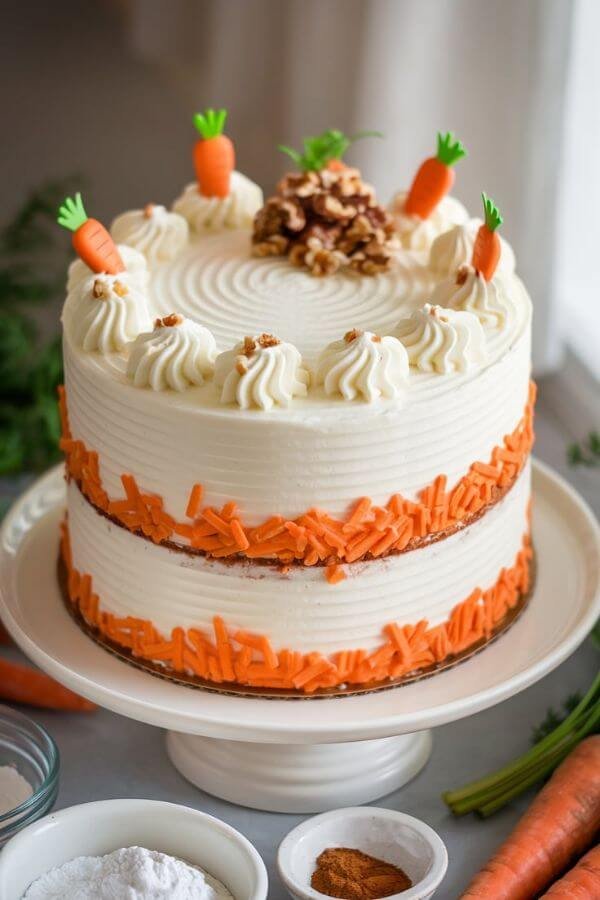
[[319, 150], [71, 213], [211, 122], [492, 216], [449, 149]]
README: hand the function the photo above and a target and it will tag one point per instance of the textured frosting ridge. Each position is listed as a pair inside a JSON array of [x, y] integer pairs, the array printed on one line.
[[109, 311], [454, 248], [237, 210], [469, 292], [134, 262], [442, 340], [176, 354], [364, 364], [261, 372], [419, 234], [157, 233]]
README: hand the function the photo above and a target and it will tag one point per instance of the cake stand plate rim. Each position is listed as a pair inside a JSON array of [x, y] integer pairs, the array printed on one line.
[[562, 519]]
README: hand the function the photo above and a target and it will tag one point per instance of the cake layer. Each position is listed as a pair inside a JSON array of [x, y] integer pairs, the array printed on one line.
[[134, 577]]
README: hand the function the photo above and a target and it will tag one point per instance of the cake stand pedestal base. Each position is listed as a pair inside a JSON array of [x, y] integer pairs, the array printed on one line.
[[299, 778]]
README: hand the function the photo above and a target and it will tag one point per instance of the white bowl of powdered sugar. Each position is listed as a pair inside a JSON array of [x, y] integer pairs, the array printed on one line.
[[137, 849]]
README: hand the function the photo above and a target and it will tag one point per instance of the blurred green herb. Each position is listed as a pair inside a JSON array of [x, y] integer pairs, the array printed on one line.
[[585, 453], [32, 265], [554, 718]]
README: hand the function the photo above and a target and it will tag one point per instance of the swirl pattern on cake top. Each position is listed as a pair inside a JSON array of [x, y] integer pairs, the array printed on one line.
[[419, 234], [157, 233], [176, 354], [363, 364], [468, 291], [442, 340], [261, 372], [111, 311], [237, 210]]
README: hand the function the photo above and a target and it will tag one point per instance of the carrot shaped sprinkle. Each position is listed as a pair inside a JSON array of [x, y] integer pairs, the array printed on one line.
[[487, 247], [91, 241], [334, 574], [193, 507], [359, 513], [434, 178], [214, 155]]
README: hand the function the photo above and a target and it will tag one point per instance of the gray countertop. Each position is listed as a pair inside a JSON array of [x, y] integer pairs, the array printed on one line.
[[106, 756]]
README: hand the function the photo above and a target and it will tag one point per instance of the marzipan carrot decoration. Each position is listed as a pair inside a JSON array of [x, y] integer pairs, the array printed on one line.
[[92, 242], [558, 827], [435, 177], [581, 883], [487, 249], [325, 150], [20, 684], [214, 156]]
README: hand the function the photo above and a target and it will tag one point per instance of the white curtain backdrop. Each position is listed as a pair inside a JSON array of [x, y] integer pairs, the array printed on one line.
[[494, 71]]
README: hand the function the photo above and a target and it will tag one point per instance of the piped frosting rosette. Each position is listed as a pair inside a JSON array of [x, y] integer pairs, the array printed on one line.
[[176, 354], [108, 312], [157, 233], [363, 365], [261, 372], [134, 262], [442, 340], [468, 291], [454, 248], [419, 234], [236, 210]]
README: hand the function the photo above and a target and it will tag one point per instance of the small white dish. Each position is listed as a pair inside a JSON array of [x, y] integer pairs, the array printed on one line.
[[94, 829], [383, 833]]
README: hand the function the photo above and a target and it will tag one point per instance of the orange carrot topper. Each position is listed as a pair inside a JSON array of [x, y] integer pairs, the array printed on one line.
[[487, 249], [214, 155], [92, 242], [435, 177]]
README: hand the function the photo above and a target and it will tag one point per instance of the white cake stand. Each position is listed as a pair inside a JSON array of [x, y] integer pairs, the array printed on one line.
[[304, 755]]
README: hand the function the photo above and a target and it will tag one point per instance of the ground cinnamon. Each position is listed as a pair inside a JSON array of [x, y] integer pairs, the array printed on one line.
[[353, 875]]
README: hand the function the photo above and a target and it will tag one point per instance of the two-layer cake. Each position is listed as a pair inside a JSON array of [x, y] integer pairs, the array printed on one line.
[[296, 433]]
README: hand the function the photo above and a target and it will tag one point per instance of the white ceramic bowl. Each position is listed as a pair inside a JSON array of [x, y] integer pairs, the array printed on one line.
[[93, 829], [383, 833]]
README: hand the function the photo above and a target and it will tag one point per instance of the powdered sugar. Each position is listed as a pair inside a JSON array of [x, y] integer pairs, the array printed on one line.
[[132, 873], [14, 789]]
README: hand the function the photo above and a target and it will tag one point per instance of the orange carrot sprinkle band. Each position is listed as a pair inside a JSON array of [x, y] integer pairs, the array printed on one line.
[[314, 538], [249, 659]]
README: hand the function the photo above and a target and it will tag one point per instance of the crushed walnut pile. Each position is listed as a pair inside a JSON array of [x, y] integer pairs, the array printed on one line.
[[325, 220]]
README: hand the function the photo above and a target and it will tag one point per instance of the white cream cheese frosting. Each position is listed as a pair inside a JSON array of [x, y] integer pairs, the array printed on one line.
[[443, 340], [454, 248], [108, 311], [176, 354], [157, 233], [261, 372], [419, 234], [237, 210], [134, 262], [468, 291], [365, 365]]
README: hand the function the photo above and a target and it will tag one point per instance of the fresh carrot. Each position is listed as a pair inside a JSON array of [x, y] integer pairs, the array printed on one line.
[[435, 177], [582, 882], [20, 684], [560, 824], [487, 249], [92, 242], [214, 156]]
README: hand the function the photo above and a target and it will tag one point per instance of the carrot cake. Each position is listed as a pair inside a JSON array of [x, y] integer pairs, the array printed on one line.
[[297, 431]]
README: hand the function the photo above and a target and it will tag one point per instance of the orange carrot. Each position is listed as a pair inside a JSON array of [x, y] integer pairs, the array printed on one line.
[[487, 249], [20, 684], [92, 242], [582, 882], [435, 177], [560, 824], [214, 156]]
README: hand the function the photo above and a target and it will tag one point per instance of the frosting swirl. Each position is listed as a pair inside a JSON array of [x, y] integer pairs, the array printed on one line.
[[157, 233], [442, 340], [261, 371], [468, 291], [419, 234], [236, 210], [363, 363], [454, 248], [108, 313], [176, 354], [135, 264]]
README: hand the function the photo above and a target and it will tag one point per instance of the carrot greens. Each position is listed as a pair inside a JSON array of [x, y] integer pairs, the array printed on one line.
[[319, 150]]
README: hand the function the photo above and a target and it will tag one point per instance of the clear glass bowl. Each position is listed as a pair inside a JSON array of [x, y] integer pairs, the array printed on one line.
[[30, 748]]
